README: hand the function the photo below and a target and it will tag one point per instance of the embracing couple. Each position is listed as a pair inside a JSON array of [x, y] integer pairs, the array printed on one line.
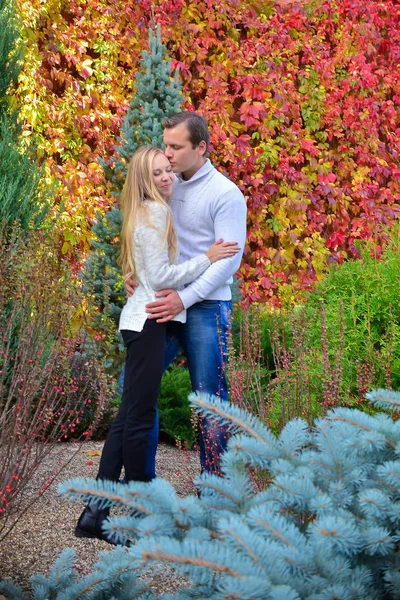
[[182, 240]]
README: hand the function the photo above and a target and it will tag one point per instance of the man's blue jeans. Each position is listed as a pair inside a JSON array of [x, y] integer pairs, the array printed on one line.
[[204, 341]]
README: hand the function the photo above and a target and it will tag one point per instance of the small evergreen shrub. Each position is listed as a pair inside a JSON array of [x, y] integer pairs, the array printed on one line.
[[325, 528], [175, 412]]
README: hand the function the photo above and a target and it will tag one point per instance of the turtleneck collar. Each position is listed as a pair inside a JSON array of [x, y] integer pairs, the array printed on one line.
[[206, 168]]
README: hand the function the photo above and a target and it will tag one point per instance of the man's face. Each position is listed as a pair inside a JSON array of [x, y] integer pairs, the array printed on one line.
[[183, 157]]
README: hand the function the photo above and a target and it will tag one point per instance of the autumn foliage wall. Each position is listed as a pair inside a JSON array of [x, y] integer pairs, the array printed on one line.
[[303, 101]]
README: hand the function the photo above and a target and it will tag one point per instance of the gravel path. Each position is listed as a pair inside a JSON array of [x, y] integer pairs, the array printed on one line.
[[47, 528]]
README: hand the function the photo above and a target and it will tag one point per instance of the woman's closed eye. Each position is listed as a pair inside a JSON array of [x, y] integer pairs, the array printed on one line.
[[167, 170]]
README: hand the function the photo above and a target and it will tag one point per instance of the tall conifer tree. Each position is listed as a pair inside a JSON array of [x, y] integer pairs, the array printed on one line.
[[156, 95]]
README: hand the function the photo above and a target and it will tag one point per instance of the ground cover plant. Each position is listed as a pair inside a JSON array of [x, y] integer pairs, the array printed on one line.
[[326, 526]]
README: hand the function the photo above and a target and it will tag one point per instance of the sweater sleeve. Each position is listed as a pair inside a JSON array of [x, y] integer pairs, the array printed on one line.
[[153, 252], [229, 216]]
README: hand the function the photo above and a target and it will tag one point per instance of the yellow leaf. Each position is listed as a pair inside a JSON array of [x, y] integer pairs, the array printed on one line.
[[93, 452]]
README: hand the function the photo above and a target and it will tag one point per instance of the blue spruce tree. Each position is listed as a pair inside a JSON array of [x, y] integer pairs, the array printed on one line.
[[157, 94], [326, 527]]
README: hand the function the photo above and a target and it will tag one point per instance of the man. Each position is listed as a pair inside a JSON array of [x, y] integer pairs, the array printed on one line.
[[206, 207]]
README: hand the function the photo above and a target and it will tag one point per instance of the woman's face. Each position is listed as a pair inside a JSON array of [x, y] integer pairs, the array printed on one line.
[[163, 176]]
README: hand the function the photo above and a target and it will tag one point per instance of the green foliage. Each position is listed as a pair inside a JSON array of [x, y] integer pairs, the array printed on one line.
[[175, 413], [251, 326], [156, 96], [274, 370], [250, 360], [344, 340], [364, 295], [102, 276], [11, 50], [326, 525], [23, 198]]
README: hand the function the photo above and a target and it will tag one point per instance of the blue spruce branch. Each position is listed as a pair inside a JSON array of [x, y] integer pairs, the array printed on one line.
[[325, 526], [387, 400], [237, 419]]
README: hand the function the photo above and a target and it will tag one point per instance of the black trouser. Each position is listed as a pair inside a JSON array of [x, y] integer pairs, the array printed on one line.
[[127, 441]]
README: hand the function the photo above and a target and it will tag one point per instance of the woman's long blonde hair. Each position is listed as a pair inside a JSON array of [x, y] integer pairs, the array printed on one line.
[[139, 186]]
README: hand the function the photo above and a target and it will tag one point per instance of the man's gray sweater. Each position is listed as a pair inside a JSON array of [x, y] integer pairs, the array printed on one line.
[[207, 207]]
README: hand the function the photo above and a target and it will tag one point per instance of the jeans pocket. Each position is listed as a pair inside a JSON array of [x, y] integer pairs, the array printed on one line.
[[208, 304]]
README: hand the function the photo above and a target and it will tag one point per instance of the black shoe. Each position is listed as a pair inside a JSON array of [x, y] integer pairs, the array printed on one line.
[[90, 522]]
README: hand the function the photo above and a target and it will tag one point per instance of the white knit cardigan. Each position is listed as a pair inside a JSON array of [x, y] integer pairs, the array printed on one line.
[[154, 270]]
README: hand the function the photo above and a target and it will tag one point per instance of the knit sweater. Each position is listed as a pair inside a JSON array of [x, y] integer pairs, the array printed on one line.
[[207, 207], [153, 268]]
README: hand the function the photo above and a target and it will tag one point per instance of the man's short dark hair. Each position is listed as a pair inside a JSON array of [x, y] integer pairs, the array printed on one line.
[[195, 123]]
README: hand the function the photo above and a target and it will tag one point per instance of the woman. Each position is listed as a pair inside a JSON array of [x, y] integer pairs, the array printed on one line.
[[149, 253]]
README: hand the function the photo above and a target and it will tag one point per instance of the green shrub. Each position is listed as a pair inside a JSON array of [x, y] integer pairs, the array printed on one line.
[[175, 413], [364, 296], [329, 351]]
